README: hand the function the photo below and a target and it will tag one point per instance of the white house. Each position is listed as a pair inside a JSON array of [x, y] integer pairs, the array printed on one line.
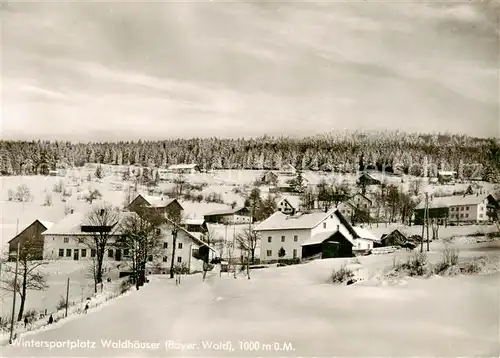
[[69, 240], [184, 168], [303, 234], [163, 174], [288, 204], [365, 239], [466, 209]]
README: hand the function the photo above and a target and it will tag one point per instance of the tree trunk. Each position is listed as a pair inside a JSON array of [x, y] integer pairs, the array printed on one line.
[[174, 242], [23, 294]]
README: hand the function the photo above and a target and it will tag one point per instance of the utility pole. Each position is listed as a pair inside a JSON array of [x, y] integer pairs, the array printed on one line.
[[427, 219], [14, 298], [234, 246], [250, 238], [423, 225], [67, 297]]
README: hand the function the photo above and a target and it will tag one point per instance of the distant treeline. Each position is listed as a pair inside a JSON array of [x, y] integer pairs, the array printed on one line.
[[416, 154]]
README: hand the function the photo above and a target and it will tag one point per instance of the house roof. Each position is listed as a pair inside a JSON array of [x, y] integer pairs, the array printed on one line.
[[360, 194], [394, 232], [46, 224], [226, 212], [198, 221], [318, 238], [191, 235], [183, 166], [444, 172], [365, 234], [72, 224], [368, 176], [293, 200], [447, 201], [157, 202], [280, 221]]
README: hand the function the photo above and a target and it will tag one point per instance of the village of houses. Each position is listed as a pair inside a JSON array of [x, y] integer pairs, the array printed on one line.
[[300, 234], [290, 236]]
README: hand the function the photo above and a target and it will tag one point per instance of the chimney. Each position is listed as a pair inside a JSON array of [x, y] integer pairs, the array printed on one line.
[[338, 227]]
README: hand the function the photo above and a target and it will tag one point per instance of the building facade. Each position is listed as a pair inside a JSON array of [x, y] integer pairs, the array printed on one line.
[[294, 232]]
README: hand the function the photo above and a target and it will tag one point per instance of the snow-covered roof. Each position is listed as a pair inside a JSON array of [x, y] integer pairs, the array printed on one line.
[[280, 221], [198, 221], [72, 224], [156, 201], [447, 201], [182, 166], [47, 224], [226, 211], [318, 238], [446, 173], [365, 234]]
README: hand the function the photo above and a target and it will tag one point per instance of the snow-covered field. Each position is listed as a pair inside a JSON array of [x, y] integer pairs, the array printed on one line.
[[57, 273], [291, 311]]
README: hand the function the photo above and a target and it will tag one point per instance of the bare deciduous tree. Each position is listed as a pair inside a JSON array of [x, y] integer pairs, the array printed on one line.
[[415, 186], [23, 193], [247, 242], [92, 195], [29, 277], [140, 235], [99, 224]]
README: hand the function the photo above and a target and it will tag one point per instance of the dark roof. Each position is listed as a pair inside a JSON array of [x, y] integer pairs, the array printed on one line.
[[46, 224]]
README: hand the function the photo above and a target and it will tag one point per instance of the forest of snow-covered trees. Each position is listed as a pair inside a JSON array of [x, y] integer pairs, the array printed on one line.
[[346, 152]]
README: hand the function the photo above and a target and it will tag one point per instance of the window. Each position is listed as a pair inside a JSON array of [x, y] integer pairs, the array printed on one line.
[[110, 253], [366, 206], [282, 239], [61, 252], [461, 215], [165, 245], [269, 252], [294, 253], [180, 245], [462, 208], [68, 252], [324, 225], [150, 258], [84, 252], [125, 252], [296, 238], [80, 240], [331, 216], [165, 258], [466, 208], [451, 209], [158, 231], [92, 253], [66, 240], [466, 215], [480, 215], [179, 259], [269, 239]]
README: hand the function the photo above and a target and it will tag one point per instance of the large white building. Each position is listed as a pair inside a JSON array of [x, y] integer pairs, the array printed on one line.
[[304, 234], [464, 209], [69, 240]]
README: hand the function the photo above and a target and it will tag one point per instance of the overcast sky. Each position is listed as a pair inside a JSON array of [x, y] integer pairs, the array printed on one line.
[[104, 71]]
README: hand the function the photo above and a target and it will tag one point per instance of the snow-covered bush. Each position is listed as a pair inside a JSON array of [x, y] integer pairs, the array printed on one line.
[[343, 275]]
